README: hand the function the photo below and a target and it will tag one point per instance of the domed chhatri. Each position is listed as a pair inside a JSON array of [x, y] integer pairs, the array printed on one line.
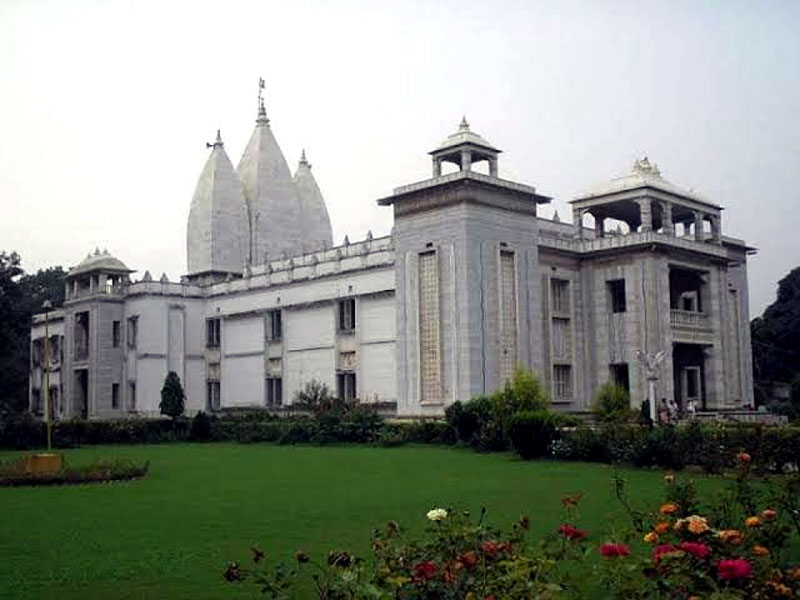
[[99, 261], [464, 148]]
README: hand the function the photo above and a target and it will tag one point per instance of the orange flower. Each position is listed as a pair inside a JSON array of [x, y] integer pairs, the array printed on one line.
[[651, 538], [760, 550], [570, 501], [661, 527], [769, 514], [744, 457], [697, 524], [670, 508], [679, 524], [730, 536], [752, 521], [780, 589]]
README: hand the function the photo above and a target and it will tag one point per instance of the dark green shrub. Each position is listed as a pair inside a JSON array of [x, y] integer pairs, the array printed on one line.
[[612, 404], [468, 418], [531, 432], [316, 397], [172, 396], [201, 428], [298, 431], [427, 432]]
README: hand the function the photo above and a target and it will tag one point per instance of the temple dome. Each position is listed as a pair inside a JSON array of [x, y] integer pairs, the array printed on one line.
[[313, 213], [273, 207], [217, 234], [99, 261]]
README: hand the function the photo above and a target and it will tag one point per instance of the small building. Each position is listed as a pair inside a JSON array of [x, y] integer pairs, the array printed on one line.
[[471, 284]]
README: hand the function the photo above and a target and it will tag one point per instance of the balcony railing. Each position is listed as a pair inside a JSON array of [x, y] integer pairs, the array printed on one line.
[[688, 318]]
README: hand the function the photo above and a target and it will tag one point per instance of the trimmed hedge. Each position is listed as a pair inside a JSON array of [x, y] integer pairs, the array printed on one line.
[[12, 475]]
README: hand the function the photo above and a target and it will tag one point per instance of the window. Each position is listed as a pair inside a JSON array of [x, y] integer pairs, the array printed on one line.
[[115, 396], [562, 339], [429, 328], [559, 295], [274, 327], [346, 385], [212, 333], [81, 335], [133, 330], [619, 375], [562, 383], [616, 290], [274, 391], [508, 314], [347, 314], [115, 334], [132, 396], [212, 395]]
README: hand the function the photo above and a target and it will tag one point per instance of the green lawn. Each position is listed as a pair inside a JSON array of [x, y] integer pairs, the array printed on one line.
[[171, 534]]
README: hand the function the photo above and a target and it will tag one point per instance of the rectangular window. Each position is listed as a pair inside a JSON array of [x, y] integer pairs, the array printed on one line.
[[274, 391], [81, 335], [212, 396], [616, 291], [274, 326], [508, 314], [559, 295], [133, 331], [212, 333], [562, 383], [429, 328], [346, 385], [115, 396], [115, 334], [347, 314], [620, 376], [132, 396], [562, 339]]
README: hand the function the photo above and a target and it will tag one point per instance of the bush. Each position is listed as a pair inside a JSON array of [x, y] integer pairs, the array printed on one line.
[[12, 475], [532, 431], [172, 396], [316, 397], [201, 428], [613, 404]]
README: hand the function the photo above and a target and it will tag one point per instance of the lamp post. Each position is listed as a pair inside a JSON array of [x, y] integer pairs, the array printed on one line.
[[48, 410]]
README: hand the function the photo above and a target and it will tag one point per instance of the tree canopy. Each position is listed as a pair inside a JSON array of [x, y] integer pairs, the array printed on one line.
[[776, 334]]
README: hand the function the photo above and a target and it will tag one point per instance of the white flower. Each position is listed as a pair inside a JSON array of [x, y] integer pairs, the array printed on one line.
[[437, 514]]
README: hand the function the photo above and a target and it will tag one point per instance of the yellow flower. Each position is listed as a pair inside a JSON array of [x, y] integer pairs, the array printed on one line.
[[670, 508], [697, 524], [731, 536], [437, 514], [651, 537], [669, 478], [760, 550], [679, 524], [752, 521], [661, 527]]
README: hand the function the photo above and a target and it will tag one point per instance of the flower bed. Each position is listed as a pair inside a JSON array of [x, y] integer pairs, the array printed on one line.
[[13, 473]]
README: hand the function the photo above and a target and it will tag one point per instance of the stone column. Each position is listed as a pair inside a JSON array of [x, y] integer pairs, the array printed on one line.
[[437, 167], [466, 160], [599, 226], [645, 214], [666, 218], [698, 226], [577, 222], [493, 167], [716, 228]]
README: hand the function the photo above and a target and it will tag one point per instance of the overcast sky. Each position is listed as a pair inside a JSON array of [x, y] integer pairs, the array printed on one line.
[[106, 107]]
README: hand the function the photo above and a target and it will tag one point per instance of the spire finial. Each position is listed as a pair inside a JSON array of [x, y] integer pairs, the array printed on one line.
[[262, 112], [217, 142], [303, 159], [464, 125]]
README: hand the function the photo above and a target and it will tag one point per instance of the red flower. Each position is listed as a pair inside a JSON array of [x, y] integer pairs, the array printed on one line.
[[661, 550], [695, 549], [609, 550], [490, 547], [734, 568], [468, 559], [571, 532], [425, 570]]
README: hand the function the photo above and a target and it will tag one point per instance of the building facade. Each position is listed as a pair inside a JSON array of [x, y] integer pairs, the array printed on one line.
[[471, 284]]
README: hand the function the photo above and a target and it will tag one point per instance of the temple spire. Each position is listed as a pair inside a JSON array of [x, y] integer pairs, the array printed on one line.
[[464, 125], [303, 159], [217, 142], [262, 112]]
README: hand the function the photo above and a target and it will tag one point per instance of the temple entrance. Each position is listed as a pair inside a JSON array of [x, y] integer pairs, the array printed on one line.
[[689, 375], [81, 393]]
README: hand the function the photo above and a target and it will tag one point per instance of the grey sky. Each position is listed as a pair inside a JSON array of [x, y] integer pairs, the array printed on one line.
[[105, 108]]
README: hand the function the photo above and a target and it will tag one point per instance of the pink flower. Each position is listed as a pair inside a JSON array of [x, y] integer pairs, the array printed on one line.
[[695, 549], [571, 532], [734, 568], [609, 550], [661, 550]]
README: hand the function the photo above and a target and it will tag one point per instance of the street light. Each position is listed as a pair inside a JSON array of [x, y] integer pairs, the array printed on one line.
[[48, 410]]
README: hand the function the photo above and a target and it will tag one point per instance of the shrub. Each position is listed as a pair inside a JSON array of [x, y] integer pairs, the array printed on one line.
[[201, 428], [531, 432], [613, 404], [172, 396], [316, 397], [468, 418], [12, 475]]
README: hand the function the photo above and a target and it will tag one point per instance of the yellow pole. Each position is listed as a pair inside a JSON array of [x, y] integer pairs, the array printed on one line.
[[48, 413]]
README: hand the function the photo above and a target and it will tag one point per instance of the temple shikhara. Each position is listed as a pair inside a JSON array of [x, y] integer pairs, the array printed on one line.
[[471, 283]]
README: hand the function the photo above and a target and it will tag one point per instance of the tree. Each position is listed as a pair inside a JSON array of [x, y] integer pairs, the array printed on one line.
[[172, 396], [776, 334], [612, 404]]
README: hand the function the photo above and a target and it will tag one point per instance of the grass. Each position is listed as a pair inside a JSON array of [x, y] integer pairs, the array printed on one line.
[[171, 534]]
